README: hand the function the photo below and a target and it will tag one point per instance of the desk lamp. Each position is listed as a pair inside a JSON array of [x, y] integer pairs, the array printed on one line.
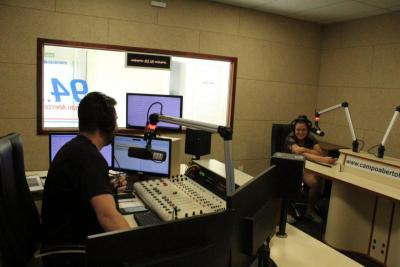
[[381, 148], [345, 105]]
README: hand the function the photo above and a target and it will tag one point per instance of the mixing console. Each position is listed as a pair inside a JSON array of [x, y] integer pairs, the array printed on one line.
[[177, 197]]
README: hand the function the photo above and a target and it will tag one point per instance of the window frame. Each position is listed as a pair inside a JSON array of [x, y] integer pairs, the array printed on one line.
[[42, 42]]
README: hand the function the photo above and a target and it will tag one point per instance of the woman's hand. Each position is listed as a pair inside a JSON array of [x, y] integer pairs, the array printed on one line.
[[329, 160]]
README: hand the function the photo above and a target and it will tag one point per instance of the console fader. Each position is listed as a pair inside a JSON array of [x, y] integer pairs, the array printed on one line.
[[177, 197]]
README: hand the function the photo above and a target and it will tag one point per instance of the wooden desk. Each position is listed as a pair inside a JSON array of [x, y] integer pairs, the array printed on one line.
[[298, 249], [364, 208], [302, 250]]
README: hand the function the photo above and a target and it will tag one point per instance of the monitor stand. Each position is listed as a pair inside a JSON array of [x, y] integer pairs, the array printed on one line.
[[264, 254], [272, 263], [142, 177]]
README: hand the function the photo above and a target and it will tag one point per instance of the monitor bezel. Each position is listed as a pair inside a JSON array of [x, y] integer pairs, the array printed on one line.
[[137, 171], [164, 128], [180, 243]]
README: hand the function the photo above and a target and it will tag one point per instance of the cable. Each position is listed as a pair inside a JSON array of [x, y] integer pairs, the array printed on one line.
[[116, 162], [191, 169], [148, 110], [148, 145], [362, 144], [369, 151]]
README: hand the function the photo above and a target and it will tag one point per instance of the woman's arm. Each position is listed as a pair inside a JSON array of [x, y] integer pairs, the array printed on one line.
[[323, 159], [316, 150]]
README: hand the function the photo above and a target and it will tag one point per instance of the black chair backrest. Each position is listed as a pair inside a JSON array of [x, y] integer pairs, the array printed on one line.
[[20, 223], [278, 136]]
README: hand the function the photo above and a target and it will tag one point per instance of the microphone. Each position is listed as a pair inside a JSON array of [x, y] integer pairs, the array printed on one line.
[[317, 131], [153, 119], [151, 127], [149, 154]]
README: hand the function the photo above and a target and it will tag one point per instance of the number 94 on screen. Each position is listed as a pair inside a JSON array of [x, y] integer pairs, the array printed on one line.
[[78, 89]]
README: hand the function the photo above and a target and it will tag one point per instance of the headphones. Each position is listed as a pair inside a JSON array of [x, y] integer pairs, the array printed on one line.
[[106, 121], [301, 119]]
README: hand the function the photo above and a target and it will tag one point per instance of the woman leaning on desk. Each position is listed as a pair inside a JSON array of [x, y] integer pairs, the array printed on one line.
[[300, 141]]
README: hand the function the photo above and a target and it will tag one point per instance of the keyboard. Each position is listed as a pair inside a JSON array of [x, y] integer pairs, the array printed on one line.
[[146, 218]]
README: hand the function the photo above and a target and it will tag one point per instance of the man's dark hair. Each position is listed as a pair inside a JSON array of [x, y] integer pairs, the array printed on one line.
[[96, 111]]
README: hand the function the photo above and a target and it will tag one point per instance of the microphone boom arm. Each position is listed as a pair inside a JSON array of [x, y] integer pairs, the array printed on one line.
[[381, 148], [345, 105], [224, 132]]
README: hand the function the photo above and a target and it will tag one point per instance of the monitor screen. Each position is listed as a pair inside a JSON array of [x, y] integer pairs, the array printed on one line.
[[137, 106], [141, 166], [57, 140]]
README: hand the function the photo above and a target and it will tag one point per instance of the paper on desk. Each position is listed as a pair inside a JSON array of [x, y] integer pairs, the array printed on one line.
[[34, 183], [130, 203]]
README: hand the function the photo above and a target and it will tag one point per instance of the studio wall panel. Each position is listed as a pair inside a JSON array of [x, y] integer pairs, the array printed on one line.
[[275, 28], [17, 90], [138, 10], [153, 36], [200, 15]]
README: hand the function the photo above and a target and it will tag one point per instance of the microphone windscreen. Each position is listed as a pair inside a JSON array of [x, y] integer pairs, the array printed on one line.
[[153, 119], [137, 152]]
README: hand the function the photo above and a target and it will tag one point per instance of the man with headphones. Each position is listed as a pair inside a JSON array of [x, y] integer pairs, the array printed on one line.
[[77, 197], [301, 141]]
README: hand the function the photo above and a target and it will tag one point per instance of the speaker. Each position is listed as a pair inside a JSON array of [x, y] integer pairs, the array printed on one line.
[[197, 143], [290, 169]]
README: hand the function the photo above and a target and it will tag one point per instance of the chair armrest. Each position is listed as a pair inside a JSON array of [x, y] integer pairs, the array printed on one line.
[[60, 249]]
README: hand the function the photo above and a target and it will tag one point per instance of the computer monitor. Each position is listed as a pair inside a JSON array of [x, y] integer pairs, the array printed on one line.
[[137, 109], [57, 140], [197, 241], [255, 206], [121, 160]]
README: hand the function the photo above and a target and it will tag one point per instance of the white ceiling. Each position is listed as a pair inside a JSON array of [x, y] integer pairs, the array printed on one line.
[[320, 11]]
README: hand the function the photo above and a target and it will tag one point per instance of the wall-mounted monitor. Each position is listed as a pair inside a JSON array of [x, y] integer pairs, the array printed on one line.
[[57, 140], [140, 106], [121, 160]]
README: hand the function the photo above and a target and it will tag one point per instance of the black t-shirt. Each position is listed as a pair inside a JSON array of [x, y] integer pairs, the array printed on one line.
[[291, 139], [77, 173]]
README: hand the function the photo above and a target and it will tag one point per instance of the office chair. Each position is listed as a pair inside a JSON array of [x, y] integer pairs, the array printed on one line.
[[19, 218], [278, 136]]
